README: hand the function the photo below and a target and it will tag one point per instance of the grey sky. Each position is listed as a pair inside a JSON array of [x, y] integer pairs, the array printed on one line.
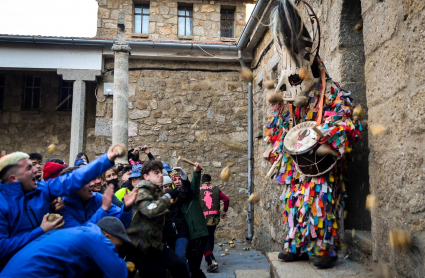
[[65, 18]]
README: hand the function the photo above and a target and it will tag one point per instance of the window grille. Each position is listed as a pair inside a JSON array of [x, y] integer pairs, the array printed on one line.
[[227, 23], [65, 95], [32, 93]]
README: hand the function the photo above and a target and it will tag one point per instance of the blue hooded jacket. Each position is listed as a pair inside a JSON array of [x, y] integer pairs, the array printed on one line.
[[76, 214], [22, 213], [67, 253]]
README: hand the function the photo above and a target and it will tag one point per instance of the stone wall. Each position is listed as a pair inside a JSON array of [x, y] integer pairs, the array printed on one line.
[[343, 55], [395, 82], [199, 115], [34, 131], [163, 19]]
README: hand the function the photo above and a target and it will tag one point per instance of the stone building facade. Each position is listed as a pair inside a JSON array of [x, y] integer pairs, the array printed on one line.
[[381, 62], [163, 19], [197, 110]]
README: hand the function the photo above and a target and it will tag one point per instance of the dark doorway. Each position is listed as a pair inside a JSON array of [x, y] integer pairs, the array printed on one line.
[[352, 48]]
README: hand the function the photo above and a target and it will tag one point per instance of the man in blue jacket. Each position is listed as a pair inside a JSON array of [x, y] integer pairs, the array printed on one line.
[[72, 252], [89, 207], [25, 203]]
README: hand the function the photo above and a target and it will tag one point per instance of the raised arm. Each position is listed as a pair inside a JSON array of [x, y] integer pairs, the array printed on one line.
[[196, 180], [70, 183]]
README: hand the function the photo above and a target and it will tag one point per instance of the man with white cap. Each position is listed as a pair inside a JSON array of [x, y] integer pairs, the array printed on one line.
[[25, 203], [72, 252]]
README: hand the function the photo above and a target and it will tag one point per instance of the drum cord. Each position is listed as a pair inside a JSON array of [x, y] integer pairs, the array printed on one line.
[[314, 163]]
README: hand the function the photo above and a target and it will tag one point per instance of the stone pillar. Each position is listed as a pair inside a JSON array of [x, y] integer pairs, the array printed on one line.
[[77, 120], [120, 107], [78, 107]]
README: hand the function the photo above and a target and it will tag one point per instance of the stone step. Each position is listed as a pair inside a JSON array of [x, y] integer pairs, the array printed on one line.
[[258, 273], [343, 269], [359, 246]]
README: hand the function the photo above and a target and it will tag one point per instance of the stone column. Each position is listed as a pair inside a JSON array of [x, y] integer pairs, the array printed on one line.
[[76, 144], [120, 105], [77, 120]]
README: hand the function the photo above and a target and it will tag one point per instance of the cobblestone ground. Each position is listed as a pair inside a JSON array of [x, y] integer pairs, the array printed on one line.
[[237, 259]]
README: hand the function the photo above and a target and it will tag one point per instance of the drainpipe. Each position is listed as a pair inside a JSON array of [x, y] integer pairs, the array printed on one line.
[[250, 147]]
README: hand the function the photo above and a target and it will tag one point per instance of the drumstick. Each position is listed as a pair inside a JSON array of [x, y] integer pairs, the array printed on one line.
[[273, 167], [291, 116], [323, 77], [185, 160]]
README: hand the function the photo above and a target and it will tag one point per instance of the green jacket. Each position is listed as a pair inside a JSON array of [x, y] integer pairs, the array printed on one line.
[[149, 214], [192, 209]]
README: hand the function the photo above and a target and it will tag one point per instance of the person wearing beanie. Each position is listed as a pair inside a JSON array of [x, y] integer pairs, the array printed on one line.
[[73, 252], [37, 161], [51, 170], [194, 216], [25, 202], [176, 231]]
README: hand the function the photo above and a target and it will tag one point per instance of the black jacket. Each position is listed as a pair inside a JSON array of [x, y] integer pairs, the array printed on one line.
[[175, 226]]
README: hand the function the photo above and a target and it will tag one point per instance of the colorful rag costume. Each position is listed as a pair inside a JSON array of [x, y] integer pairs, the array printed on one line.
[[314, 204], [322, 124]]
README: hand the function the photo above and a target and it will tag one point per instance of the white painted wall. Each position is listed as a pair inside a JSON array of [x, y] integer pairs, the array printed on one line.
[[46, 56]]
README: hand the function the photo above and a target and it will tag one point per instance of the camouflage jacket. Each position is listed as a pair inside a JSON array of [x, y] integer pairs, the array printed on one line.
[[149, 214]]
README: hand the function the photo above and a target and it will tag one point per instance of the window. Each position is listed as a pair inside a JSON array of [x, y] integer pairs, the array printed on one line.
[[2, 84], [185, 17], [32, 92], [65, 95], [227, 21], [141, 19]]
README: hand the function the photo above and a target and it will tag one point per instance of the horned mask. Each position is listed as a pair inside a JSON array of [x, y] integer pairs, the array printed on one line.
[[297, 47]]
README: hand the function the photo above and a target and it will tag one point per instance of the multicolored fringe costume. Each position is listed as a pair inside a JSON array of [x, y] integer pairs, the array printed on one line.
[[314, 205]]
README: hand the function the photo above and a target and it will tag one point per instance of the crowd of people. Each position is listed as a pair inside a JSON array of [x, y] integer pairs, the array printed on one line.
[[101, 219]]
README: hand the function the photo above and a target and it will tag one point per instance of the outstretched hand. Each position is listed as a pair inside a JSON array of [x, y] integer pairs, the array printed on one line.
[[116, 150], [197, 167], [107, 198], [130, 198]]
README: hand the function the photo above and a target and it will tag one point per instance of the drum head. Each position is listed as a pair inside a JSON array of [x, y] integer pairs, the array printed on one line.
[[301, 138]]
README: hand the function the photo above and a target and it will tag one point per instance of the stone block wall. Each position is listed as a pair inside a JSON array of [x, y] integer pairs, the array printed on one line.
[[34, 131], [163, 19], [395, 82], [199, 115], [343, 55]]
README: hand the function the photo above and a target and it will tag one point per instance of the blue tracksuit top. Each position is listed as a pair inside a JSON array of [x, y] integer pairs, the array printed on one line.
[[67, 253], [77, 214], [22, 213]]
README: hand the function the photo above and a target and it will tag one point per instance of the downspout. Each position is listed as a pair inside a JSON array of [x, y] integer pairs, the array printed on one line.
[[250, 147], [241, 45]]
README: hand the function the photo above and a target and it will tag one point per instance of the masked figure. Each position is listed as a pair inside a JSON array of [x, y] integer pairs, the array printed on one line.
[[310, 134]]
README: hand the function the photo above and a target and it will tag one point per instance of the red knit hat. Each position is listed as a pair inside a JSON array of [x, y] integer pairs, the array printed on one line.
[[52, 170]]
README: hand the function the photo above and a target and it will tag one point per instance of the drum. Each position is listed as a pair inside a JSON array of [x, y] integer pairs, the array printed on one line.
[[301, 143]]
